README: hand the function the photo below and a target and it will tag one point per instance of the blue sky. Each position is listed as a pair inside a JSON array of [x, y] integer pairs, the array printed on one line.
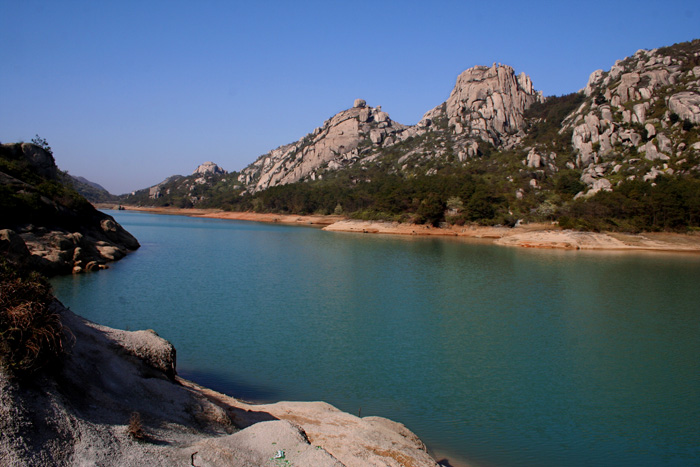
[[128, 93]]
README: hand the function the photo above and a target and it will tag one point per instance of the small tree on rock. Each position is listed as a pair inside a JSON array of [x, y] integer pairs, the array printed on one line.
[[42, 143]]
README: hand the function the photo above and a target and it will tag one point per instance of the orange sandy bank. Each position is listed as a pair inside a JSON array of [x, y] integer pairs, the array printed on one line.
[[527, 236], [534, 236], [241, 216]]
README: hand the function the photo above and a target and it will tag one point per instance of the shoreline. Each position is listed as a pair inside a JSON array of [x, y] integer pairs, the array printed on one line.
[[331, 428], [91, 418], [539, 236], [314, 417], [317, 220]]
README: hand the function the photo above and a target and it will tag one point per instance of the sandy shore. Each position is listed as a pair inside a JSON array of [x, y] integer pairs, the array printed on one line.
[[240, 216], [535, 236], [526, 236]]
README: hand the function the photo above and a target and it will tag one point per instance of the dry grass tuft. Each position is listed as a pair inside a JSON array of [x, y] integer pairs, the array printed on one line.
[[135, 429], [31, 332]]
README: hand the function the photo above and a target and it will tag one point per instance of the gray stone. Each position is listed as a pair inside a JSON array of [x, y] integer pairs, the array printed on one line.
[[627, 116], [657, 77], [376, 136], [592, 81], [640, 112], [534, 160], [588, 178], [629, 135], [606, 113], [664, 143], [381, 117], [652, 153], [41, 160], [601, 184], [13, 248], [686, 105], [626, 88], [209, 168], [652, 174], [359, 103], [364, 115], [651, 130]]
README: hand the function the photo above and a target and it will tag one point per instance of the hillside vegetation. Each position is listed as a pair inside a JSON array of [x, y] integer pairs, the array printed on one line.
[[622, 154]]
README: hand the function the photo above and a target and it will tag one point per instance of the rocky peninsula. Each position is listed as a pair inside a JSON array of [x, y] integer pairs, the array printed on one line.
[[47, 225]]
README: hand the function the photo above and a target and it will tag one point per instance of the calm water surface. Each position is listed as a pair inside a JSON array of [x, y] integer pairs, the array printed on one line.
[[492, 355]]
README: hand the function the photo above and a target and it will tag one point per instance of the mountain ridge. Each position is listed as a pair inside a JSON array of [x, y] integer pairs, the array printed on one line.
[[537, 158]]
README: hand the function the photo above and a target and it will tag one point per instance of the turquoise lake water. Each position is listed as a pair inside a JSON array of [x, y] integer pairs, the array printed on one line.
[[492, 355]]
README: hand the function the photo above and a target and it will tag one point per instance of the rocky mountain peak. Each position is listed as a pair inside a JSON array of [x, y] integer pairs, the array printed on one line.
[[634, 125], [488, 103], [209, 168], [335, 144]]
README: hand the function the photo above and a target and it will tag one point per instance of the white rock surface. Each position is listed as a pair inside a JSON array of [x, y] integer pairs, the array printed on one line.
[[686, 105], [489, 102], [78, 415], [209, 168], [335, 145]]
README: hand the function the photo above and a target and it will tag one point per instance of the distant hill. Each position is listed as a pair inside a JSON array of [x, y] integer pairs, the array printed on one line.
[[621, 154], [209, 185], [85, 181], [91, 191]]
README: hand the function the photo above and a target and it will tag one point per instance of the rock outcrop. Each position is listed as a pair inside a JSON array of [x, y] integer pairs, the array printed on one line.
[[686, 105], [639, 120], [59, 251], [338, 143], [208, 168], [634, 119], [39, 159], [48, 226], [80, 412], [486, 104]]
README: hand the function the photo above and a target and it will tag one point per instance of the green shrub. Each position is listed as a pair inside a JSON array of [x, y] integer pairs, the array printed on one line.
[[431, 210], [569, 182]]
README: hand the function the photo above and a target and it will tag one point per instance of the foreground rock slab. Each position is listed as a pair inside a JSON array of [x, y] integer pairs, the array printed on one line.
[[80, 413]]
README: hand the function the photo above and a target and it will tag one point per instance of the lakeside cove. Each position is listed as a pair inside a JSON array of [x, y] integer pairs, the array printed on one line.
[[546, 236], [463, 341]]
